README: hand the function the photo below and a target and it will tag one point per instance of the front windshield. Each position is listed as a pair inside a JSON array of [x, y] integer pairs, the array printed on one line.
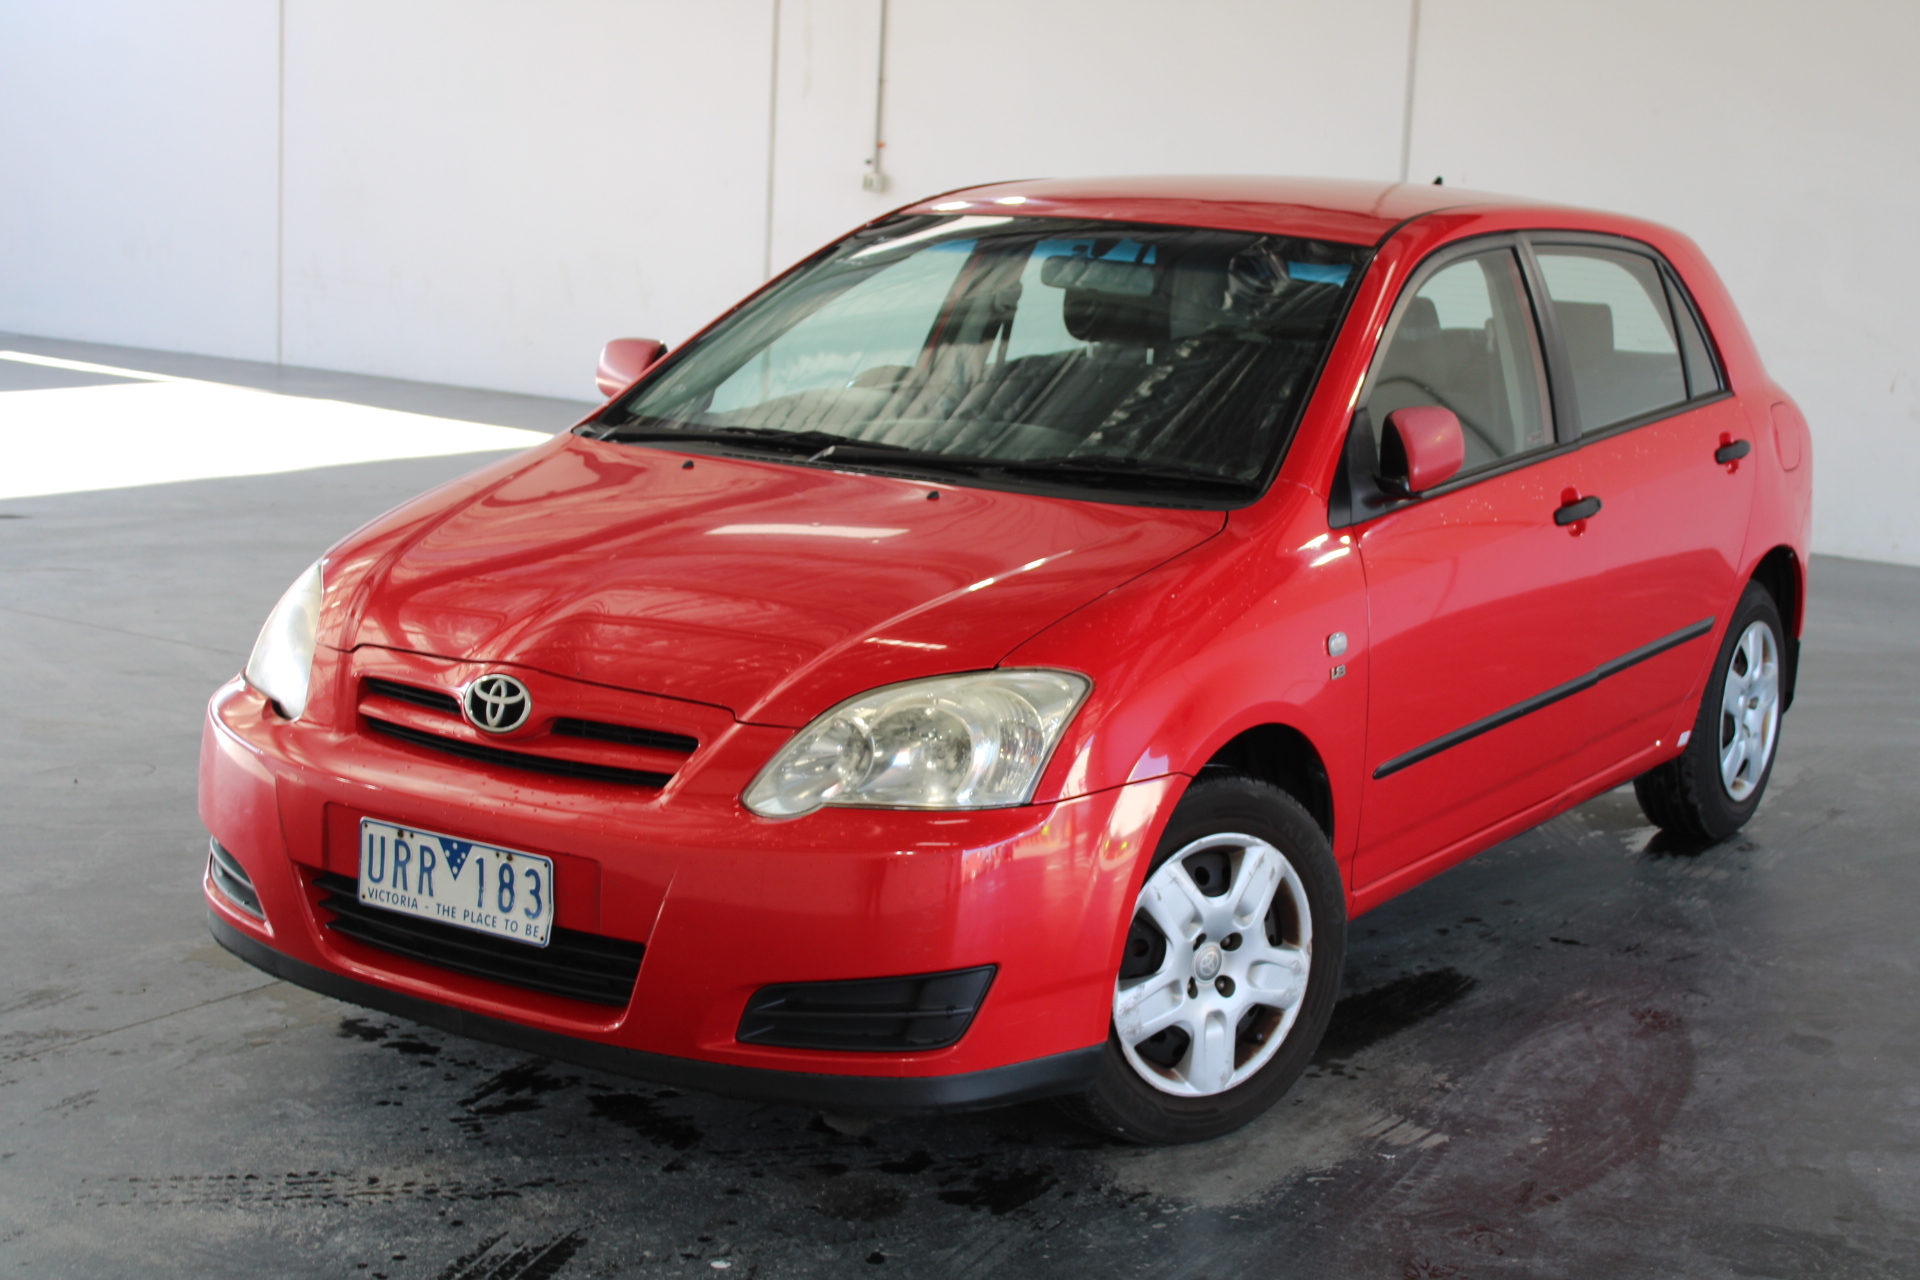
[[1077, 353]]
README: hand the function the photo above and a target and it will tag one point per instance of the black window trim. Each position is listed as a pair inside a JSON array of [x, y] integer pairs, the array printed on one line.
[[1553, 347], [1353, 482], [1678, 297]]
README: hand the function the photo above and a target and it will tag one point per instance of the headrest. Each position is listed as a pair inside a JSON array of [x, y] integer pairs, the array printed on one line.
[[1109, 301], [1091, 316], [1422, 320], [1587, 329], [1102, 274]]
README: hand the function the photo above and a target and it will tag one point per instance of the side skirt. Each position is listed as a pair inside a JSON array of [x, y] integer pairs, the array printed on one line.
[[1398, 882]]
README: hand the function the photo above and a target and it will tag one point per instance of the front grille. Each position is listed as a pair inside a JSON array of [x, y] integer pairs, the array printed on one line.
[[520, 759], [579, 966], [924, 1011], [626, 735], [431, 699], [232, 879]]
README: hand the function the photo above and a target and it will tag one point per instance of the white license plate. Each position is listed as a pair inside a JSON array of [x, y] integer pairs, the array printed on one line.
[[457, 882]]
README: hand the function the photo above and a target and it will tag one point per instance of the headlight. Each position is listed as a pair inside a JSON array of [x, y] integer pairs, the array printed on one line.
[[955, 742], [282, 659]]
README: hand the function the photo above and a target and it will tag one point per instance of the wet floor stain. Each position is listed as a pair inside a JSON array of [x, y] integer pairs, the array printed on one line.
[[1365, 1018], [860, 1197], [642, 1113], [525, 1083], [1002, 1193]]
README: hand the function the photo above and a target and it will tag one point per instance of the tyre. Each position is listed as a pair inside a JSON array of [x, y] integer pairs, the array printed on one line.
[[1713, 786], [1230, 971]]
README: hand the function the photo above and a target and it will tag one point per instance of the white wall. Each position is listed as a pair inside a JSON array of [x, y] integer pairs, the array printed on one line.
[[1001, 89], [480, 192], [137, 154]]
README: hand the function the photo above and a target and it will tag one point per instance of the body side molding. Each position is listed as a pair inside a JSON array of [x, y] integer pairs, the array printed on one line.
[[1547, 699]]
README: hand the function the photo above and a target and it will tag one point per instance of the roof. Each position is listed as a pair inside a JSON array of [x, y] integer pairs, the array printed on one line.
[[1341, 209]]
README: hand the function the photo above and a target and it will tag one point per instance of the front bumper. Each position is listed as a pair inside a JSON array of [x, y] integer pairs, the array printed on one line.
[[858, 1095], [724, 902]]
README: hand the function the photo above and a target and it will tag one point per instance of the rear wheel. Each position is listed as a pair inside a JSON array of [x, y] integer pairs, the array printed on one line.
[[1230, 970], [1714, 785]]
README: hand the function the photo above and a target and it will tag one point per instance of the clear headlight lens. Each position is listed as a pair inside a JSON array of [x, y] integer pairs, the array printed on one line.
[[282, 660], [954, 742]]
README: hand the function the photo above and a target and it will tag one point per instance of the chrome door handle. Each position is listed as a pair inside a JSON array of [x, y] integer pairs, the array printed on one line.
[[1575, 511]]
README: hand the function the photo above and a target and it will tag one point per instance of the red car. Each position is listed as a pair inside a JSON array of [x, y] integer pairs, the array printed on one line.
[[998, 658]]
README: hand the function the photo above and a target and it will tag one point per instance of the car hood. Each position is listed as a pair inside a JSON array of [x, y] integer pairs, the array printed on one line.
[[771, 590]]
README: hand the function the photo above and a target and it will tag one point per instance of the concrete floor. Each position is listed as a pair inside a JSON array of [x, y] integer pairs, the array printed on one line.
[[1585, 1053]]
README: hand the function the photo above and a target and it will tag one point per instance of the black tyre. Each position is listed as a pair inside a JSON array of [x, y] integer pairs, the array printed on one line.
[[1230, 971], [1714, 785]]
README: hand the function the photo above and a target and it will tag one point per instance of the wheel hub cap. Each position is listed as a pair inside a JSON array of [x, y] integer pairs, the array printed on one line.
[[1749, 711], [1208, 1019], [1206, 965]]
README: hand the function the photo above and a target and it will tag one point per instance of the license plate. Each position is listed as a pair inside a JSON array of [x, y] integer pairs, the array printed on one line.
[[458, 882]]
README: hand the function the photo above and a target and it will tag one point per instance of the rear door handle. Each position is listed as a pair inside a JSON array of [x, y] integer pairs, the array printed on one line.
[[1732, 451], [1574, 511]]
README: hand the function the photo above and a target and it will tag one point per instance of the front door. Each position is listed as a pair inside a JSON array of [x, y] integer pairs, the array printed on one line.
[[1482, 612]]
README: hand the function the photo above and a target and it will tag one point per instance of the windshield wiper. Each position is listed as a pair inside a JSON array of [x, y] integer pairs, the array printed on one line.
[[831, 450], [1123, 471], [809, 442], [822, 446]]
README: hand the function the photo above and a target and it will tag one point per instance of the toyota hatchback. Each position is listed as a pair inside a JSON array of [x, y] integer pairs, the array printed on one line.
[[999, 658]]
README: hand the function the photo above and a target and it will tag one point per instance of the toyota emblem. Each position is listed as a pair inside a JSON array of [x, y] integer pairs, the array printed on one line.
[[497, 704]]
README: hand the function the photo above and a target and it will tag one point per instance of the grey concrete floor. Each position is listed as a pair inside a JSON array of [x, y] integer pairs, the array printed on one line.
[[1585, 1053]]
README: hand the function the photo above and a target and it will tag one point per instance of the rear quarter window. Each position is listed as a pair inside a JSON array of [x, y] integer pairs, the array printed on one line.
[[1696, 353]]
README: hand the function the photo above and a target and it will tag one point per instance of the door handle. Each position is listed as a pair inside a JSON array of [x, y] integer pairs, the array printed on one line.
[[1576, 511], [1732, 451]]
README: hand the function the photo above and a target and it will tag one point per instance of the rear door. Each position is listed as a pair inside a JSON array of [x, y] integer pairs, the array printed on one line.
[[1654, 424]]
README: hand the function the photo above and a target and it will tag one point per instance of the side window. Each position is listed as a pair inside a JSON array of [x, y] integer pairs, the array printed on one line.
[[1703, 376], [1612, 309], [1466, 341]]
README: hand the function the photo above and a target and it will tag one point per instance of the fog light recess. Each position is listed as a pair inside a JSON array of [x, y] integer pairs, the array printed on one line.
[[922, 1011], [231, 879]]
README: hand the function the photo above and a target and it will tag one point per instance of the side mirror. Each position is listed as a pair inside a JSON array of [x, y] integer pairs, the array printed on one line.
[[1421, 447], [623, 360]]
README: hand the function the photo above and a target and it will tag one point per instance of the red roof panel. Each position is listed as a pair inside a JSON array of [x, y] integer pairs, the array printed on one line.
[[1346, 210]]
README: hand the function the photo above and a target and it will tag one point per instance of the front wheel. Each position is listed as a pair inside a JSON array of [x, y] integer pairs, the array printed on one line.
[[1230, 971], [1710, 790]]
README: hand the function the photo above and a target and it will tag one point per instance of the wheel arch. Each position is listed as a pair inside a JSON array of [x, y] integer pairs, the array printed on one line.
[[1283, 756], [1784, 576]]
